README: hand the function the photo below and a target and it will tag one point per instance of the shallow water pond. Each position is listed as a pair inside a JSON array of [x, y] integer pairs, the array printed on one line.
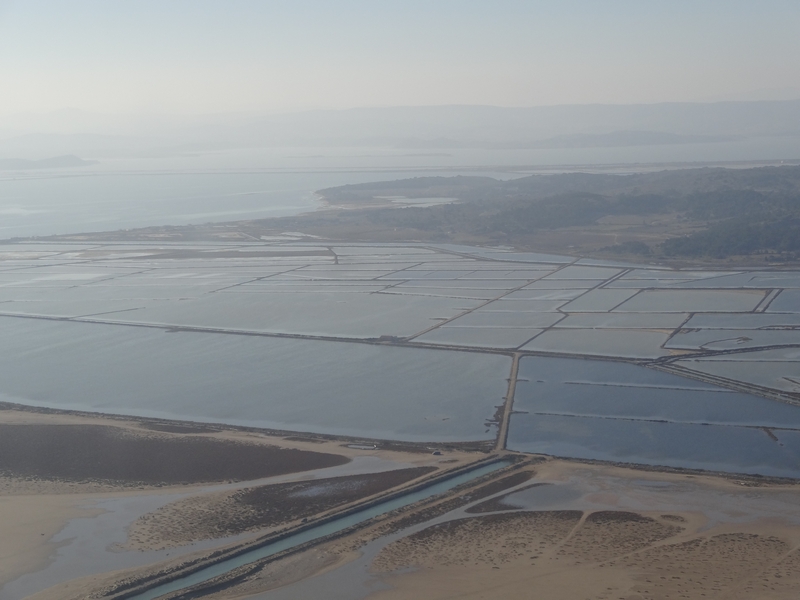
[[360, 390], [624, 412]]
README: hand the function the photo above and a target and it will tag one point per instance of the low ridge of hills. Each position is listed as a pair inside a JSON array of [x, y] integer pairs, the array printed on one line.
[[707, 212]]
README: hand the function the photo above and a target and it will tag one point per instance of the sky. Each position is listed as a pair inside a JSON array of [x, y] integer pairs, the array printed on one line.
[[201, 56]]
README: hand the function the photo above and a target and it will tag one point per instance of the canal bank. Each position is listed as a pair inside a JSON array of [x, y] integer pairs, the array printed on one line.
[[222, 568]]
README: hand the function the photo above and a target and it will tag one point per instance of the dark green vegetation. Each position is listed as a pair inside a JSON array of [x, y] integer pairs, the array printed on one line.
[[776, 238], [693, 212]]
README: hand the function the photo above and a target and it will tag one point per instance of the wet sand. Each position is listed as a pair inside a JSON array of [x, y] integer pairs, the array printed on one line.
[[28, 524], [554, 528], [42, 494], [111, 454], [224, 514], [53, 466], [693, 537], [574, 531]]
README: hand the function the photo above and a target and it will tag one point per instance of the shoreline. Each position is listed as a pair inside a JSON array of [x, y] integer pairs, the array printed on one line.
[[55, 502], [311, 440], [72, 500], [340, 549], [189, 426], [358, 554]]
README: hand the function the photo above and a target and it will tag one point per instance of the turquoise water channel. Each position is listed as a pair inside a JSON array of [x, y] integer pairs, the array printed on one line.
[[318, 532]]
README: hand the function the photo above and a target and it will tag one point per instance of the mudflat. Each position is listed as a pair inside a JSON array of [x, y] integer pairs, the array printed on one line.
[[563, 530], [222, 514], [58, 466], [112, 454], [693, 536], [604, 555]]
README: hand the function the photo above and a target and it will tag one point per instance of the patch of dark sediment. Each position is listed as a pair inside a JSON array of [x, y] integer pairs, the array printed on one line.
[[607, 534], [491, 539], [492, 486], [177, 428], [525, 537], [731, 565], [81, 453], [222, 514], [501, 484], [498, 504]]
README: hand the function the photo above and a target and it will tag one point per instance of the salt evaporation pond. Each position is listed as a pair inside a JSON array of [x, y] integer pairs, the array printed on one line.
[[775, 369], [361, 390], [627, 413], [116, 354]]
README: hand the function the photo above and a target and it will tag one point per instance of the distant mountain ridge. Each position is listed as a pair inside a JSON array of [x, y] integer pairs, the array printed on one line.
[[57, 162], [425, 127], [620, 139], [534, 127]]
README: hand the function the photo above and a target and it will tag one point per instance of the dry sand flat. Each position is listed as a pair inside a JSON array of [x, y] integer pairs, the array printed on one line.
[[619, 533], [698, 537], [42, 492], [54, 466], [27, 525]]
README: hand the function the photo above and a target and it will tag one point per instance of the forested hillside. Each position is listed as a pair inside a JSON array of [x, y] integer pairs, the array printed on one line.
[[707, 212]]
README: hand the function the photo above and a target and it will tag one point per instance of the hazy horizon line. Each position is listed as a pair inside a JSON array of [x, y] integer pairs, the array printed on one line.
[[298, 110]]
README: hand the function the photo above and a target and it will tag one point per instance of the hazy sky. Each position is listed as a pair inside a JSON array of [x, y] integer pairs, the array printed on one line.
[[200, 56]]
